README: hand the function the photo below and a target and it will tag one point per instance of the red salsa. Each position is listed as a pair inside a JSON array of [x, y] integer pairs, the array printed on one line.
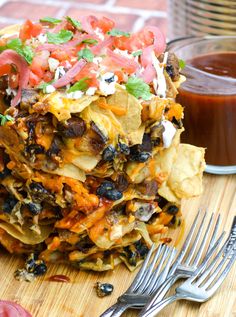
[[209, 98]]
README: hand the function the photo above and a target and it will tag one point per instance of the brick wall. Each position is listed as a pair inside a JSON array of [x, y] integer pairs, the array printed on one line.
[[129, 14]]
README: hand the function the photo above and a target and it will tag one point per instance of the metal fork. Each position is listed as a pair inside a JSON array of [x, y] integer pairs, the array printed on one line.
[[181, 268], [146, 281], [184, 268], [205, 281]]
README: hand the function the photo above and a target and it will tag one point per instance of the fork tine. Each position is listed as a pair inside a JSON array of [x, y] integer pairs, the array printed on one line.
[[223, 275], [141, 272], [146, 277], [185, 245], [162, 277], [196, 240], [206, 260], [217, 270], [213, 238], [157, 270], [205, 238]]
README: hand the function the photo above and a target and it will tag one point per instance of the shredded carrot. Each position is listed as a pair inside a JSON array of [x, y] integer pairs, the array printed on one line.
[[102, 103]]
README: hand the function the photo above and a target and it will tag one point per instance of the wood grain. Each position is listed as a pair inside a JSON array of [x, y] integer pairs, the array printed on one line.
[[78, 298]]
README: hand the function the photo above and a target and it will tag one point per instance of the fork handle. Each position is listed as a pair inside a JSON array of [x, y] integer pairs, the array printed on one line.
[[115, 310], [154, 310]]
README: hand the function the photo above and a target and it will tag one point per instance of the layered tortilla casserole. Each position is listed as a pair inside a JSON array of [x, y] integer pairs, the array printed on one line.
[[92, 170]]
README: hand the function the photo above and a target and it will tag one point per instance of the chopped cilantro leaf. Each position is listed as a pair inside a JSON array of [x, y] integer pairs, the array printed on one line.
[[86, 54], [138, 88], [5, 118], [59, 38], [182, 63], [90, 41], [50, 20], [137, 53], [115, 32], [23, 50], [74, 22], [82, 85]]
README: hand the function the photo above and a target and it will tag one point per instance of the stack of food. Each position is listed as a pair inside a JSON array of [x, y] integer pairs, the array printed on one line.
[[92, 169]]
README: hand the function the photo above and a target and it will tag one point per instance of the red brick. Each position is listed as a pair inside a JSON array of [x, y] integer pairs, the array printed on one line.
[[161, 23], [24, 10], [123, 21], [143, 4]]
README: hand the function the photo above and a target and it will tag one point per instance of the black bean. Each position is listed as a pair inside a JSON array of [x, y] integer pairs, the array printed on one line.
[[34, 208], [140, 157], [55, 146], [40, 269], [124, 148], [105, 187], [170, 70], [172, 210], [34, 149], [104, 289], [74, 127], [109, 153], [146, 145], [9, 203], [113, 194], [141, 248], [38, 188]]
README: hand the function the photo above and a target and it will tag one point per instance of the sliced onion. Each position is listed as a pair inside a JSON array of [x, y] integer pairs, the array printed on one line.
[[97, 49], [123, 61], [68, 77], [148, 74], [11, 57], [158, 46], [87, 23], [11, 309]]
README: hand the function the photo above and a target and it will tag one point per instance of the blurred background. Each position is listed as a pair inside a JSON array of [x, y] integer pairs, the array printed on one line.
[[130, 15]]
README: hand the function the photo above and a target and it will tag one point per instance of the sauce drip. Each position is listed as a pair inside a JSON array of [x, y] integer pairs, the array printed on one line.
[[59, 278], [209, 98]]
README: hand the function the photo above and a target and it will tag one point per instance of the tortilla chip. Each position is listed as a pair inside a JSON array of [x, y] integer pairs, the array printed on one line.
[[136, 137], [69, 170], [185, 179]]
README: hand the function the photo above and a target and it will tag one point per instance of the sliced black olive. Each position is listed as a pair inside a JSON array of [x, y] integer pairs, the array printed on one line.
[[105, 187], [104, 289], [74, 127], [109, 153], [172, 210], [8, 204], [34, 208]]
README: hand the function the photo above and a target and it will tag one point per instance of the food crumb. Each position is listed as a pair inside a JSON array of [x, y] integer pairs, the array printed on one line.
[[103, 289]]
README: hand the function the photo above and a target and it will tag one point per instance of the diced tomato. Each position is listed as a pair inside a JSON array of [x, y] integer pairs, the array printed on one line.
[[135, 42], [48, 76], [120, 75], [5, 69], [60, 55], [36, 68], [29, 29], [34, 80], [104, 24], [86, 72]]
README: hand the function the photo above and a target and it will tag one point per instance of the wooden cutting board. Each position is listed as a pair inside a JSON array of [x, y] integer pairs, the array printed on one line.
[[78, 298]]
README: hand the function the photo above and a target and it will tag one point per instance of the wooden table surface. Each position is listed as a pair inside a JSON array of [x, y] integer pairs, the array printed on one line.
[[78, 298]]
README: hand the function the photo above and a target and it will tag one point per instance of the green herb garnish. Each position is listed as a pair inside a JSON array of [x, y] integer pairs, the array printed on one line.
[[81, 85], [74, 22], [50, 20], [138, 88], [43, 86], [5, 118], [182, 63], [59, 38], [137, 53], [115, 32], [90, 41], [23, 50], [86, 54]]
